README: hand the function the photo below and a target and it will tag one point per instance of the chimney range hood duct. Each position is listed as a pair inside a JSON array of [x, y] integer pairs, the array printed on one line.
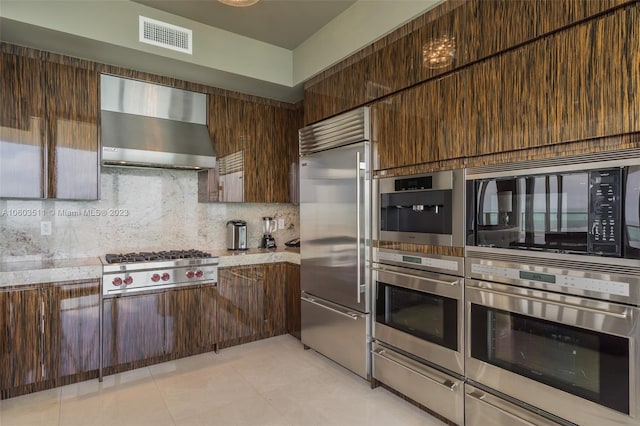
[[149, 125]]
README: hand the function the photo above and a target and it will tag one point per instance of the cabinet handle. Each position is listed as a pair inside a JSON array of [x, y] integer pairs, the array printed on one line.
[[358, 259]]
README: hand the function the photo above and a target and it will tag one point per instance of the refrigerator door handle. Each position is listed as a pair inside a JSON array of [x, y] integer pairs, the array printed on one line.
[[348, 314], [358, 236]]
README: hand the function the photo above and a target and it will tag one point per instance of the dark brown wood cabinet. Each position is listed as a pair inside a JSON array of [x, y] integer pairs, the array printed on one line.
[[72, 105], [145, 329], [251, 303], [22, 127], [578, 84], [21, 337], [253, 143], [48, 130], [49, 335], [424, 124], [293, 300]]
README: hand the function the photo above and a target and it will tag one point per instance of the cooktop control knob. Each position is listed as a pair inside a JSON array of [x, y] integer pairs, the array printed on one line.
[[165, 276], [117, 281], [190, 274], [128, 280], [199, 273], [155, 278]]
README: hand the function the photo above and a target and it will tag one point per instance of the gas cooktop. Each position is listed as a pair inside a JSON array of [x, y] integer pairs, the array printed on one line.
[[148, 256]]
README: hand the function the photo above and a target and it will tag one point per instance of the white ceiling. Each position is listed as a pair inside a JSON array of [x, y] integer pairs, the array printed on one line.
[[267, 50], [283, 23]]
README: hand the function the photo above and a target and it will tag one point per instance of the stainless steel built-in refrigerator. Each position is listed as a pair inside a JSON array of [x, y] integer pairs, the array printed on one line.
[[335, 235]]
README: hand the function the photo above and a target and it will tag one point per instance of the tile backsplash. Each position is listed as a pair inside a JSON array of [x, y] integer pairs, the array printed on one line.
[[139, 210]]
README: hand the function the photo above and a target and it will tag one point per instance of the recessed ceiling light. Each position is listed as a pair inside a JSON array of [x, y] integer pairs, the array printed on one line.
[[239, 3]]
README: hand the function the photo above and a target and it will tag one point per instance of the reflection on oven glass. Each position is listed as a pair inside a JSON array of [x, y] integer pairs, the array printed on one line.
[[544, 350]]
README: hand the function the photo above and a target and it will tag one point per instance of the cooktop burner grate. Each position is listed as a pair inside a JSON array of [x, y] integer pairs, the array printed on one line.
[[147, 256]]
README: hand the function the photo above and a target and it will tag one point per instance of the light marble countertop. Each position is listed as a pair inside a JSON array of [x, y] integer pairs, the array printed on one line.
[[90, 268]]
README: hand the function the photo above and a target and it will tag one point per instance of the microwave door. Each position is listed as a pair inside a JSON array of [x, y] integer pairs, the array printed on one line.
[[333, 225]]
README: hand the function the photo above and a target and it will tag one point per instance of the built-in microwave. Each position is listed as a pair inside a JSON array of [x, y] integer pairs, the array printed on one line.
[[422, 209], [560, 205]]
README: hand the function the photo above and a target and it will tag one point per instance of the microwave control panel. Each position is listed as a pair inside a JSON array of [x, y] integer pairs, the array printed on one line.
[[605, 220]]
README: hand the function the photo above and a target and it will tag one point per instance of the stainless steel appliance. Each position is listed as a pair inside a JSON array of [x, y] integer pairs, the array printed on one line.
[[237, 235], [553, 288], [268, 226], [335, 232], [419, 328], [146, 124], [422, 209]]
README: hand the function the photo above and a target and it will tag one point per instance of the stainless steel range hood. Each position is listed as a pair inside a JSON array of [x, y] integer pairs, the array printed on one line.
[[145, 124]]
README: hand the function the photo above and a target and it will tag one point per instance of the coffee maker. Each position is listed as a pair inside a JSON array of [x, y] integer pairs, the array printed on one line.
[[269, 225]]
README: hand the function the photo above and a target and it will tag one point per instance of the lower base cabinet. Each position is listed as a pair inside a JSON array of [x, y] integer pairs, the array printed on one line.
[[48, 335], [145, 329], [293, 300]]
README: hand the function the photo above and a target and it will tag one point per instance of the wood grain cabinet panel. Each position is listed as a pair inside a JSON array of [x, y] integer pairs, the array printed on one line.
[[251, 303], [72, 330], [133, 330], [471, 30], [21, 311], [253, 143], [22, 127], [190, 320], [424, 124], [293, 300], [72, 109], [578, 84]]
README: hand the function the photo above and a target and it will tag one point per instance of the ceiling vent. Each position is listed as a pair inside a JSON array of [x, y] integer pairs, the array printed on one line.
[[165, 35]]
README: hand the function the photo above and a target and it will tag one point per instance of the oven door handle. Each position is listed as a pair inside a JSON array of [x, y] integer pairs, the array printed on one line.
[[446, 383], [622, 314], [452, 283], [347, 314], [482, 398]]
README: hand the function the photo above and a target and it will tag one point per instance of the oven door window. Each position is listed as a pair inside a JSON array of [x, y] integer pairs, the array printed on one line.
[[585, 363], [424, 315]]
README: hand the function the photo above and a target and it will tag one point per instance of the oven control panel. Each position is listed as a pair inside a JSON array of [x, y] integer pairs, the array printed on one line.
[[605, 221], [413, 260]]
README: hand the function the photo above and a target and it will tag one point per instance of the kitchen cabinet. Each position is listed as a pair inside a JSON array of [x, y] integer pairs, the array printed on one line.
[[423, 124], [190, 320], [133, 330], [48, 335], [48, 130], [472, 30], [22, 127], [144, 329], [253, 143], [560, 89], [293, 300], [21, 331], [251, 303]]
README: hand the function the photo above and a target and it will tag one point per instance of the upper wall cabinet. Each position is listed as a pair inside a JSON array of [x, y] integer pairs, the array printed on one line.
[[48, 130], [72, 109], [424, 124], [253, 143], [578, 84], [452, 35], [22, 128]]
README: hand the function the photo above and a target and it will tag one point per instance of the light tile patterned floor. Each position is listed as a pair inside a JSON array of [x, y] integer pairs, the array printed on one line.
[[270, 382]]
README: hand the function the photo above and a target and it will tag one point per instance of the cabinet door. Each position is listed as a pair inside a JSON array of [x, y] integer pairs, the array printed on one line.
[[22, 123], [240, 305], [133, 329], [189, 319], [72, 328], [424, 124], [274, 318], [72, 110], [20, 336], [292, 295]]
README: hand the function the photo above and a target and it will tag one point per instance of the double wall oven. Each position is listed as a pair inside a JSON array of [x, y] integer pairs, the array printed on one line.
[[418, 306], [553, 291]]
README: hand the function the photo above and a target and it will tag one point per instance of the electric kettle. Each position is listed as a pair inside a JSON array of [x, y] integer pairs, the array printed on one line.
[[236, 235]]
